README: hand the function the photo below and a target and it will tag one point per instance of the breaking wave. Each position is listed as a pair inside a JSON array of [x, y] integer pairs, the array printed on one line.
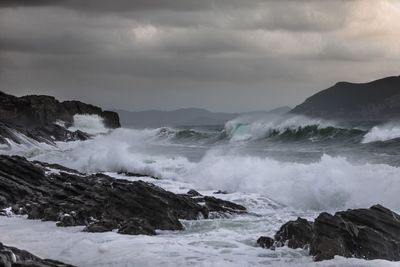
[[91, 124], [330, 183], [382, 133]]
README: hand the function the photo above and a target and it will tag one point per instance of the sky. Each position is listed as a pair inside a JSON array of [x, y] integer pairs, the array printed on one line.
[[222, 55]]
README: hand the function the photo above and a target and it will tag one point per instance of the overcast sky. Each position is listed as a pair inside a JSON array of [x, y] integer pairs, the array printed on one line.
[[223, 55]]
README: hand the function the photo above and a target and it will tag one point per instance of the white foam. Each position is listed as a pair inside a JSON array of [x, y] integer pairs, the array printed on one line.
[[218, 242], [329, 184], [246, 127], [122, 149], [382, 133], [91, 124]]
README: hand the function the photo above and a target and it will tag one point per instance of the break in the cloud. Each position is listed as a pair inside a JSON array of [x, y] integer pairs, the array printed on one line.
[[228, 55]]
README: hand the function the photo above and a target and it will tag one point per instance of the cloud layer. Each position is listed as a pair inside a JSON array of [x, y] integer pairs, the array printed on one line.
[[225, 55]]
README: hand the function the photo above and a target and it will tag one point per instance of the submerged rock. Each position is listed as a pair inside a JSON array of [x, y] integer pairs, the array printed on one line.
[[266, 242], [369, 234], [10, 256]]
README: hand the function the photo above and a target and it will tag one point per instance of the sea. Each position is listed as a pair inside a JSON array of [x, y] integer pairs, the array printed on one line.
[[279, 167]]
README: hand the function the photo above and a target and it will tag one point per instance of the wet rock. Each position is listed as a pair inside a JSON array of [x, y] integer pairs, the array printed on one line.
[[372, 233], [101, 226], [87, 198], [221, 192], [218, 205], [134, 174], [369, 234], [66, 221], [295, 234], [13, 257], [137, 226], [36, 115], [193, 193], [266, 242]]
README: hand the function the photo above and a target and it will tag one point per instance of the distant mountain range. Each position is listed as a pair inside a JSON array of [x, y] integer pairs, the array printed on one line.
[[376, 100], [181, 117]]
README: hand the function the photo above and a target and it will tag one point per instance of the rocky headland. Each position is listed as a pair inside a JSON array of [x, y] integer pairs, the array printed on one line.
[[38, 117]]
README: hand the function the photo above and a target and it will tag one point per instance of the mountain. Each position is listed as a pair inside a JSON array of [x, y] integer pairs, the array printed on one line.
[[180, 117], [36, 116], [378, 99]]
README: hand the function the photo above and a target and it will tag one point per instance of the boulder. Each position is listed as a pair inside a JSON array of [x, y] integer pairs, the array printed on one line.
[[372, 233], [13, 257], [295, 234], [137, 226], [369, 234], [266, 242]]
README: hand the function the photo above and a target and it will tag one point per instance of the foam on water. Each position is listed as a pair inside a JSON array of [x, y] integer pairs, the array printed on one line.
[[275, 190], [382, 133], [246, 128], [330, 183], [91, 124]]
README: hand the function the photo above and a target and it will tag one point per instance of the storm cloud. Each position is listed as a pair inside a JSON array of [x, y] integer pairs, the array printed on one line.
[[224, 55]]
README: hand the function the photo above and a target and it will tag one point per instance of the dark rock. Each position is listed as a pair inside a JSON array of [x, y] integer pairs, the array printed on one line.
[[193, 193], [295, 234], [137, 226], [13, 257], [66, 221], [101, 226], [139, 175], [372, 233], [369, 234], [35, 116], [218, 205], [90, 198], [221, 192], [266, 242]]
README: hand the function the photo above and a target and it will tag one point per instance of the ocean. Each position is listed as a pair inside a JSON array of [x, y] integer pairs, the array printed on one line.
[[279, 167]]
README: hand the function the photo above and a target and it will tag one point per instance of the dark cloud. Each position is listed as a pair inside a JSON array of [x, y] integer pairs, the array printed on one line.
[[219, 54]]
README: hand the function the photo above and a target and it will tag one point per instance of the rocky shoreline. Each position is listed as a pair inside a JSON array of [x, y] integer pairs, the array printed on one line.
[[14, 257], [102, 203], [369, 234], [97, 201]]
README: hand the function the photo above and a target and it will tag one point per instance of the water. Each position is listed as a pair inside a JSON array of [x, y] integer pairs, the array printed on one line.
[[278, 167]]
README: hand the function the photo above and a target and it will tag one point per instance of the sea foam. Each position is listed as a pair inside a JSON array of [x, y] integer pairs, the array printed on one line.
[[382, 133]]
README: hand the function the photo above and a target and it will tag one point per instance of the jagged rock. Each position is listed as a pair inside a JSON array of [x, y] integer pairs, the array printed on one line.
[[88, 198], [13, 257], [134, 174], [266, 242], [35, 116], [369, 234], [39, 110], [137, 226], [193, 193], [218, 205], [221, 192], [67, 220], [295, 234], [372, 233], [101, 226]]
